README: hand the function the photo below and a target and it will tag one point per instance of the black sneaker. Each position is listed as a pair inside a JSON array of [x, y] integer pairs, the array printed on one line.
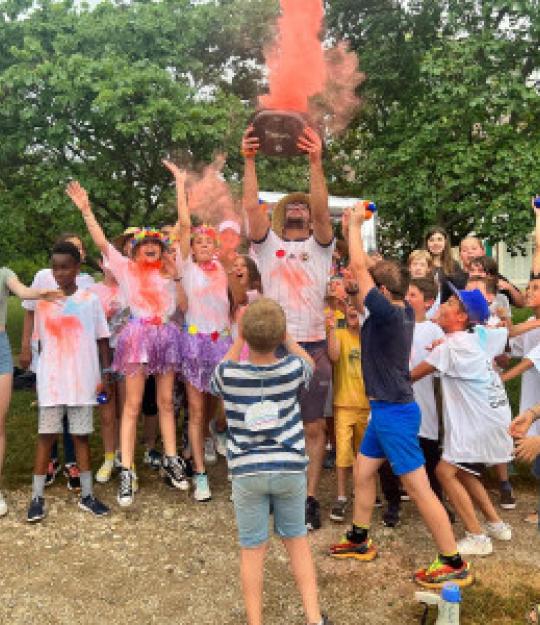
[[313, 514], [337, 513], [153, 459], [391, 516], [507, 500], [36, 510], [173, 471], [93, 505], [73, 476], [52, 471], [125, 488]]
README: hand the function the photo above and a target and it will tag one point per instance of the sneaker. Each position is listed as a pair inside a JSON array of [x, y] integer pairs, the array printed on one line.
[[313, 514], [220, 440], [365, 551], [174, 472], [3, 505], [93, 505], [202, 488], [437, 574], [73, 476], [329, 461], [125, 488], [52, 471], [36, 510], [500, 530], [105, 471], [507, 500], [391, 515], [210, 456], [153, 459], [338, 511], [475, 545]]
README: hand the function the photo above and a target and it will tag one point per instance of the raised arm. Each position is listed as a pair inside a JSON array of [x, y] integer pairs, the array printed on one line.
[[522, 328], [79, 197], [358, 260], [183, 225], [257, 217], [310, 142]]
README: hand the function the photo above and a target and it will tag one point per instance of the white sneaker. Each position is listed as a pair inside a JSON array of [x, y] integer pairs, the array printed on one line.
[[202, 488], [210, 456], [3, 505], [500, 530], [104, 473], [475, 545], [125, 488], [220, 439]]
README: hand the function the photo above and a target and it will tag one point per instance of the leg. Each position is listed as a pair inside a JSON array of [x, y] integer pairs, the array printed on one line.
[[315, 434], [150, 412], [196, 426], [432, 455], [43, 452], [458, 495], [128, 425], [390, 484], [251, 573], [341, 474], [82, 452], [304, 574], [107, 413], [431, 509], [479, 495], [167, 424], [69, 449], [365, 488], [6, 382]]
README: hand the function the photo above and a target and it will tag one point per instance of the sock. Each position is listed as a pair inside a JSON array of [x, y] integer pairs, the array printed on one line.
[[505, 485], [86, 484], [454, 560], [358, 534], [109, 457], [342, 498], [170, 459], [38, 485]]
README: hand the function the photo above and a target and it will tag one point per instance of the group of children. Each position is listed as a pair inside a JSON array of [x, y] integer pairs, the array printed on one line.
[[176, 309]]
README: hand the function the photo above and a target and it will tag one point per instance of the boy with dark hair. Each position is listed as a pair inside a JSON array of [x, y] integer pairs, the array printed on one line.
[[266, 451], [395, 418], [68, 375]]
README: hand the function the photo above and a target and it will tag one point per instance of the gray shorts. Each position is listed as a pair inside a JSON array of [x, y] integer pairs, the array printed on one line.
[[80, 419]]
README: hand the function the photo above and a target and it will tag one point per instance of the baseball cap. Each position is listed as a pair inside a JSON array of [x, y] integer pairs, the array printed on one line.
[[474, 303]]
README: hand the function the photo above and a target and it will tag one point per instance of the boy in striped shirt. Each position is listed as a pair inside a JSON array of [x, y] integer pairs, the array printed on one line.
[[266, 451]]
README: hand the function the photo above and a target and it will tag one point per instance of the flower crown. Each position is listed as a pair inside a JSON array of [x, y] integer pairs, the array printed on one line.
[[205, 229], [148, 233]]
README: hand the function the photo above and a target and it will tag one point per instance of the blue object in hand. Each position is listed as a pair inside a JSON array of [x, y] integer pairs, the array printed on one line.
[[537, 202], [102, 398]]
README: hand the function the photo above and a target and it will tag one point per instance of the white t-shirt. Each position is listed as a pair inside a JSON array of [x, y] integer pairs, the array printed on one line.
[[114, 307], [528, 345], [44, 279], [425, 332], [476, 411], [68, 367], [207, 294], [295, 274]]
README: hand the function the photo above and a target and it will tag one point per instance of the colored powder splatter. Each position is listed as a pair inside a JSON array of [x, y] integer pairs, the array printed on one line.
[[295, 62], [209, 196], [150, 296], [335, 106], [295, 279]]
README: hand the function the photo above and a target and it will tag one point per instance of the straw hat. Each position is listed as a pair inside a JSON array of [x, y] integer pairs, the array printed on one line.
[[278, 214]]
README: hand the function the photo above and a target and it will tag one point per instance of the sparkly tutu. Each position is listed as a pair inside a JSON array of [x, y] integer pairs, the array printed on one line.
[[152, 347], [200, 355]]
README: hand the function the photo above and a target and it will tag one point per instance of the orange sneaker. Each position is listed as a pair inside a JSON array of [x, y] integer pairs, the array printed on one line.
[[437, 573], [365, 551]]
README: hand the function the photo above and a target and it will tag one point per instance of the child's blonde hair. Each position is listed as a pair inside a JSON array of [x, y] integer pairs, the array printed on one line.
[[421, 255], [263, 325]]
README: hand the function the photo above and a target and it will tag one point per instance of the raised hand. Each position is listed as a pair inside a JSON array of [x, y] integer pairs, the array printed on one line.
[[180, 175], [250, 144], [78, 195], [357, 215], [310, 142]]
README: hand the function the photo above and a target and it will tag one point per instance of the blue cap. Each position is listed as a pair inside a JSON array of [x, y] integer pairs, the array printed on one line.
[[474, 303], [451, 593]]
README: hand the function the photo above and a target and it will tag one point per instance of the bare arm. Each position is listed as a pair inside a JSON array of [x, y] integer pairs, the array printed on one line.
[[522, 328], [235, 349], [518, 369], [25, 292], [293, 348], [421, 370], [311, 143], [25, 357], [80, 198], [183, 225], [516, 296], [333, 345], [257, 217], [357, 256]]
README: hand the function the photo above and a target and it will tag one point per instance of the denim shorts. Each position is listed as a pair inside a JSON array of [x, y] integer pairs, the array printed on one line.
[[392, 433], [252, 496], [6, 361]]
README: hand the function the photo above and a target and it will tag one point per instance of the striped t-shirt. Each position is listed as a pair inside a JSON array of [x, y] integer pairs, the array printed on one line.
[[265, 431]]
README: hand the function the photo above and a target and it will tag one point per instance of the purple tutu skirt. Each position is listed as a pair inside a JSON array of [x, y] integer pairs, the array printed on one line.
[[200, 355], [148, 347]]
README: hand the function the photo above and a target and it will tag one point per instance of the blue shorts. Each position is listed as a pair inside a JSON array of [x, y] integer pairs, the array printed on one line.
[[252, 495], [392, 433], [6, 361]]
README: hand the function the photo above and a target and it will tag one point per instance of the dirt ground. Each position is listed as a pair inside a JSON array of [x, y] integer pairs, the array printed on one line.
[[169, 560]]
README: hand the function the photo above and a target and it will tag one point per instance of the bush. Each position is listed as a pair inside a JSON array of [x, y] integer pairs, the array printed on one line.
[[26, 268]]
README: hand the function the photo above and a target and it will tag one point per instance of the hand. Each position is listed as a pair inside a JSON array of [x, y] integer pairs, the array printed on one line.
[[503, 285], [250, 144], [357, 215], [25, 357], [330, 320], [521, 424], [528, 449], [78, 196], [311, 143], [169, 265], [51, 295], [180, 175]]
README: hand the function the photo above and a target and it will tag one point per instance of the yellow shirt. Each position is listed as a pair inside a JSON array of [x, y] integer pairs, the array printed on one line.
[[348, 382]]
